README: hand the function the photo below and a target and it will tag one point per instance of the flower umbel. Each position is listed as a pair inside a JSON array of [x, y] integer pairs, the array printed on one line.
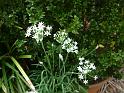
[[38, 31], [70, 46], [60, 36], [84, 68]]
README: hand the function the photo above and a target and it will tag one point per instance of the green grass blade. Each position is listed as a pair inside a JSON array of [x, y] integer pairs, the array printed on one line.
[[11, 86], [5, 79], [23, 73], [4, 88]]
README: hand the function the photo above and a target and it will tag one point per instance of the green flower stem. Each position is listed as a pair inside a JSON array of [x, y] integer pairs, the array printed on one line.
[[90, 52], [53, 57], [46, 55], [63, 67], [59, 59]]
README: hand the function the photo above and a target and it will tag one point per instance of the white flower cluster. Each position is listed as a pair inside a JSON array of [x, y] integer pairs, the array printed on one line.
[[60, 36], [68, 44], [84, 68], [38, 31]]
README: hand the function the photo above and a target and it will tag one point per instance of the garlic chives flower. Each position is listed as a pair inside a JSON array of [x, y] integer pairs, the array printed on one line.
[[85, 81], [70, 46], [28, 33], [41, 26], [80, 69], [95, 77], [38, 31], [60, 36], [47, 33], [80, 76], [48, 28], [84, 68]]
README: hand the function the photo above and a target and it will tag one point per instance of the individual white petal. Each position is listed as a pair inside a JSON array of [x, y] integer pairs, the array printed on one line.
[[81, 59], [75, 43], [75, 47], [87, 62], [97, 46], [80, 63], [76, 51], [48, 28]]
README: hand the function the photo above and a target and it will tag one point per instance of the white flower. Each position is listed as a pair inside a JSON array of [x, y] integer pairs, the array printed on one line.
[[48, 28], [61, 57], [87, 62], [85, 81], [80, 69], [81, 59], [80, 63], [85, 71], [38, 36], [67, 41], [95, 77], [60, 36], [80, 76], [75, 43], [47, 33], [76, 51], [92, 66], [75, 47], [28, 32], [41, 26], [70, 46]]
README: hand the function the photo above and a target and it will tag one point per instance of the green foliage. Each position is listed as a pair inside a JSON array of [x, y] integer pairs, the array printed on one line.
[[89, 22], [13, 78]]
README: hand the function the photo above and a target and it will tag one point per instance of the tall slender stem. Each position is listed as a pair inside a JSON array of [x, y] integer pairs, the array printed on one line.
[[46, 55]]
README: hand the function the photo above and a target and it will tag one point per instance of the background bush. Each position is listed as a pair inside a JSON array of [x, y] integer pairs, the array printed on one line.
[[89, 22]]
